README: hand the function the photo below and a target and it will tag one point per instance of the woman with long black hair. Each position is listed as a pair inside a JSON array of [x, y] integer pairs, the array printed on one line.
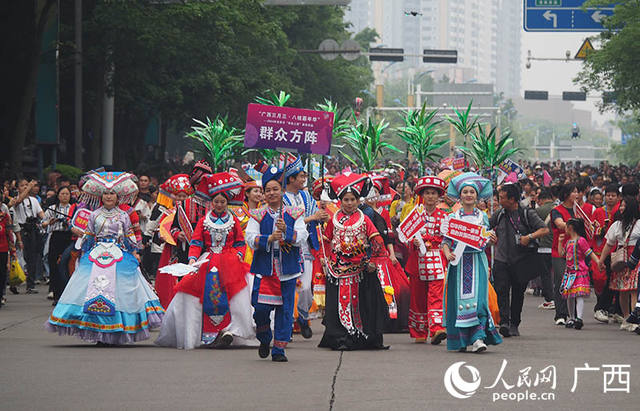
[[57, 219], [624, 232]]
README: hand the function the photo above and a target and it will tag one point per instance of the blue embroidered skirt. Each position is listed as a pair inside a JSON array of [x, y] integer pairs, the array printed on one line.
[[127, 319], [466, 311]]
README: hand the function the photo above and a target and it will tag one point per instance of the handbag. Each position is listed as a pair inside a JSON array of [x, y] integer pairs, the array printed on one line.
[[620, 256], [16, 274]]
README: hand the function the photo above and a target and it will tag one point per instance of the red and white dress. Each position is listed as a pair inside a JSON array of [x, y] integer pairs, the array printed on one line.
[[218, 296], [426, 268]]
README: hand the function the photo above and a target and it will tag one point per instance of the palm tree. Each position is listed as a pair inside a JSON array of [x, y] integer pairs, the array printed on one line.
[[365, 142], [419, 133], [220, 141]]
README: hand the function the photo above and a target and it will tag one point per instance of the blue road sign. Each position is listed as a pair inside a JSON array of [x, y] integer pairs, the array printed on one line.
[[562, 15]]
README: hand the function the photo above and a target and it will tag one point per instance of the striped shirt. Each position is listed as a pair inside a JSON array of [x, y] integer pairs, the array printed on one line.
[[58, 212]]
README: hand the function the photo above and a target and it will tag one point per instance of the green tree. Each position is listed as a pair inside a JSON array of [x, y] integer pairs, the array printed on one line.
[[629, 153], [613, 67]]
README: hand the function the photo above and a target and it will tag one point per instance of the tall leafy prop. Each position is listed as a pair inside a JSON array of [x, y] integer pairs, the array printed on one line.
[[219, 141], [463, 122], [419, 132], [340, 118], [487, 150], [274, 99], [365, 140]]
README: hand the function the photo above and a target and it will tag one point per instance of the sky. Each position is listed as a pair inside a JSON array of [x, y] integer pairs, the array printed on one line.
[[556, 76]]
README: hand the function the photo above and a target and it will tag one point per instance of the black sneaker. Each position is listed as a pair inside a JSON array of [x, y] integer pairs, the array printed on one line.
[[578, 324], [31, 291], [14, 290], [279, 358], [306, 331], [513, 331], [439, 337], [504, 330], [634, 317], [263, 350], [569, 324]]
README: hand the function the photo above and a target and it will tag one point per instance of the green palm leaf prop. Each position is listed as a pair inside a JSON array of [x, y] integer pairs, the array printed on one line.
[[365, 140], [419, 132], [487, 150], [340, 118], [219, 141], [274, 99], [463, 123]]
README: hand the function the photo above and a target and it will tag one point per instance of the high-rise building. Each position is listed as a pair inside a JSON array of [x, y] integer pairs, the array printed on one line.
[[486, 34]]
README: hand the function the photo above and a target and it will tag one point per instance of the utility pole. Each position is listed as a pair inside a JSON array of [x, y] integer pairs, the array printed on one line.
[[77, 146]]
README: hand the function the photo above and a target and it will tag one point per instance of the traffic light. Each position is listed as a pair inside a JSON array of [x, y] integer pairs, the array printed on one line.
[[386, 54], [536, 95], [574, 96], [575, 131]]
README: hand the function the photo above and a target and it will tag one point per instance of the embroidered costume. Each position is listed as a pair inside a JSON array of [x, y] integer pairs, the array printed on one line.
[[466, 309], [276, 266], [356, 311], [165, 283], [107, 299], [303, 200], [426, 268], [212, 305], [576, 276]]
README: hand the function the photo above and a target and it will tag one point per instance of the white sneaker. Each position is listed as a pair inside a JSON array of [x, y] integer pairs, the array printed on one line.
[[529, 291], [618, 318], [478, 346], [601, 316], [561, 321], [547, 305], [50, 295], [628, 326]]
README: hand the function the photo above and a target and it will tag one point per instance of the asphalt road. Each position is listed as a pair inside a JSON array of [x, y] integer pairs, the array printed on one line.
[[39, 370]]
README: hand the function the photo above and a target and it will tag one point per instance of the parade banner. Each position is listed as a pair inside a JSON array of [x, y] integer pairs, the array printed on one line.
[[466, 234], [412, 224], [81, 219], [454, 163], [296, 129], [509, 166]]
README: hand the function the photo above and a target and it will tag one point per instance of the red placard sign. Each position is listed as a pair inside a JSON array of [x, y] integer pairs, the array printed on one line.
[[412, 224], [81, 219], [474, 235]]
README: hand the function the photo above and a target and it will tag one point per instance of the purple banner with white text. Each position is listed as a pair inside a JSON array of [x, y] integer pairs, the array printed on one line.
[[302, 130]]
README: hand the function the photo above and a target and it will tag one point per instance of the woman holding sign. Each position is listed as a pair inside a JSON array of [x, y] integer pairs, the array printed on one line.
[[467, 316]]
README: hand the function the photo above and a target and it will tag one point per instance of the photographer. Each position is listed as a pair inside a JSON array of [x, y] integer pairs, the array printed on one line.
[[28, 213], [57, 219], [516, 257]]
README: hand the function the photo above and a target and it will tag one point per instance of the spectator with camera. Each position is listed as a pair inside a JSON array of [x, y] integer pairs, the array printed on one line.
[[516, 258], [28, 215], [57, 220]]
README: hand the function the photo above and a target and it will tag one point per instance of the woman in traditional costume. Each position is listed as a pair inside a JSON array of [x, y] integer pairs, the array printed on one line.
[[107, 300], [177, 188], [356, 311], [393, 279], [213, 305], [467, 316]]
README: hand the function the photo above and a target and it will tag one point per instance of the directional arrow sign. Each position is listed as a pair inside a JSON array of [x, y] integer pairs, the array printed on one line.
[[563, 15]]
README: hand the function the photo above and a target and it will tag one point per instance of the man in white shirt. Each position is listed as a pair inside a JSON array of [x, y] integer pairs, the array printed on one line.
[[27, 215]]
